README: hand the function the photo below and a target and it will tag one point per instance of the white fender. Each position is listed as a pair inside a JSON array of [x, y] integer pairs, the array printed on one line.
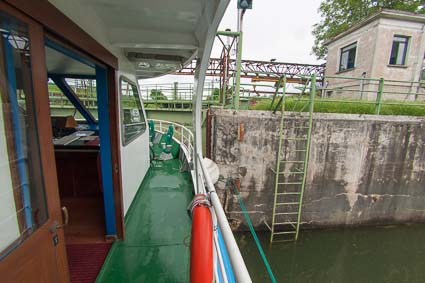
[[212, 169]]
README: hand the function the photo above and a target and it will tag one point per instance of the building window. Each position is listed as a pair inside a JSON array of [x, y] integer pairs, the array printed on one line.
[[132, 117], [399, 50], [348, 57]]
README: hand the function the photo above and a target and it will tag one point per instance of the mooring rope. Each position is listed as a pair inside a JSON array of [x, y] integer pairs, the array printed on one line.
[[254, 234], [199, 199]]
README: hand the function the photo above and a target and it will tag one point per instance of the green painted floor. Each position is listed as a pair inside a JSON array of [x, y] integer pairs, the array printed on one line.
[[156, 247]]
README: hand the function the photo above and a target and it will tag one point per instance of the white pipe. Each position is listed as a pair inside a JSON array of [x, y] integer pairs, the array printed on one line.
[[204, 52], [238, 264]]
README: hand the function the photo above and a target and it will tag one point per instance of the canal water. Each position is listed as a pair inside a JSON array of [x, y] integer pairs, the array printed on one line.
[[372, 254]]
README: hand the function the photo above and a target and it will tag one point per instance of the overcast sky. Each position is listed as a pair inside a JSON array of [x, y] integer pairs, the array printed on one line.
[[272, 29]]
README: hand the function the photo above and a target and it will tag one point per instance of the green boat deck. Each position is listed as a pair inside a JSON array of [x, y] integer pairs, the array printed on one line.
[[156, 245]]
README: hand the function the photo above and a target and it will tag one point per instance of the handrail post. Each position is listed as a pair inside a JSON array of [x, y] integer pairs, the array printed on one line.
[[175, 90], [238, 72], [420, 83], [379, 96], [312, 93]]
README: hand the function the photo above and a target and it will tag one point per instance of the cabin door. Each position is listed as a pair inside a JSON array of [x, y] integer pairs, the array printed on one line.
[[31, 238]]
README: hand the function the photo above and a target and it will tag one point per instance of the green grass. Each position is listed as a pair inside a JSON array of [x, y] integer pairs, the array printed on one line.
[[409, 108], [80, 91], [53, 88]]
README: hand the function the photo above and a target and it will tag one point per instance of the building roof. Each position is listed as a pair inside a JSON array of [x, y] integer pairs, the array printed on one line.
[[385, 13]]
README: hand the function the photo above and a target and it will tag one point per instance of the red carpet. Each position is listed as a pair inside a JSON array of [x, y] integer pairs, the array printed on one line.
[[85, 261]]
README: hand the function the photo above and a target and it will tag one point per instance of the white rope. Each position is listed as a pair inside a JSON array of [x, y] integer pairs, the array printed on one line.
[[199, 200]]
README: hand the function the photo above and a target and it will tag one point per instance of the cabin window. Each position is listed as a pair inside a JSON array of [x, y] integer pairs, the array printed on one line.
[[23, 207], [399, 50], [85, 91], [133, 121], [348, 57]]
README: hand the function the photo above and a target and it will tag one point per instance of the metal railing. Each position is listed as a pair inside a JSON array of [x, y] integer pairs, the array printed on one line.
[[185, 138], [174, 91], [182, 135], [360, 96], [59, 100], [375, 94], [179, 96], [372, 91]]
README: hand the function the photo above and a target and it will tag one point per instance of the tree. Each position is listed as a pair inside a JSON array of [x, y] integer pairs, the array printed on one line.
[[339, 15], [216, 94], [157, 94]]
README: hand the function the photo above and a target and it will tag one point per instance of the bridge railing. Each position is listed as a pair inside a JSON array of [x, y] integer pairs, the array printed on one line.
[[175, 91], [356, 95]]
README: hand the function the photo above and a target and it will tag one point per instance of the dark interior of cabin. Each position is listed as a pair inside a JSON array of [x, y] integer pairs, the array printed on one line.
[[74, 121]]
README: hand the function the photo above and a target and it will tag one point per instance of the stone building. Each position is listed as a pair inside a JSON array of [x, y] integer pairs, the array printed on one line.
[[389, 44]]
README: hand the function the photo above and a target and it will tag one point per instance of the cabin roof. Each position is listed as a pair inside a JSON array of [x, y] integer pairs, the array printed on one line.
[[156, 37]]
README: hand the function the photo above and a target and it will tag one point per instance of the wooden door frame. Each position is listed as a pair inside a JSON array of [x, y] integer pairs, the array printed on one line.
[[48, 164], [113, 129], [114, 116], [61, 29], [57, 23]]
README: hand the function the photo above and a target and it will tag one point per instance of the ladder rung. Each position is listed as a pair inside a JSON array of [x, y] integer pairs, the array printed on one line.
[[289, 193], [300, 150], [293, 183], [296, 139], [286, 213], [286, 223], [283, 241], [287, 203], [292, 161], [283, 233], [287, 116], [288, 172]]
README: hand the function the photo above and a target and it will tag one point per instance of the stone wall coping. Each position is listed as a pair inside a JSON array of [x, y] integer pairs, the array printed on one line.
[[322, 116]]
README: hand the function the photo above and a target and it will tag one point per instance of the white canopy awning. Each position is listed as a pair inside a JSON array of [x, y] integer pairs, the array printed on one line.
[[156, 36]]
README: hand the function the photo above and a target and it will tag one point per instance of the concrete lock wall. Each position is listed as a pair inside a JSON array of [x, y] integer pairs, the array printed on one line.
[[363, 169]]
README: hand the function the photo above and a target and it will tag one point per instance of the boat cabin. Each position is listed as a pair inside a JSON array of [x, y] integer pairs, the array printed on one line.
[[87, 180]]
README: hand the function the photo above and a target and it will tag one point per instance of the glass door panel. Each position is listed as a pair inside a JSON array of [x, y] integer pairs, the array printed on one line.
[[23, 207]]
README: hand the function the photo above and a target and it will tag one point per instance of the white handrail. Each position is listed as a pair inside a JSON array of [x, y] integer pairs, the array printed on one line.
[[236, 259], [182, 136]]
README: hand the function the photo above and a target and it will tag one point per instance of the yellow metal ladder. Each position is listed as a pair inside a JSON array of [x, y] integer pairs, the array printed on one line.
[[291, 166]]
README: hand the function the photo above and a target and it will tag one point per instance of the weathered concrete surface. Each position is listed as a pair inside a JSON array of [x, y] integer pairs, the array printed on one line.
[[363, 169]]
